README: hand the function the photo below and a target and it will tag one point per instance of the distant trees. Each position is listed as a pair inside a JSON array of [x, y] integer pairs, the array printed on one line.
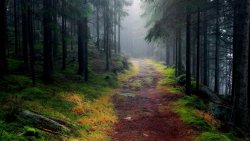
[[108, 23], [46, 28], [213, 51]]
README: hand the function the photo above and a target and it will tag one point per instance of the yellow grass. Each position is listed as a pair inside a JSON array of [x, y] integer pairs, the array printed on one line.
[[123, 77], [99, 115]]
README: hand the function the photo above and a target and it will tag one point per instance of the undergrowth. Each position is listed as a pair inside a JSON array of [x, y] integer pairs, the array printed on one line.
[[168, 81], [191, 109], [86, 107]]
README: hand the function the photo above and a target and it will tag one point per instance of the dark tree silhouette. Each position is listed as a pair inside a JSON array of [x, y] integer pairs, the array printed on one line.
[[3, 38]]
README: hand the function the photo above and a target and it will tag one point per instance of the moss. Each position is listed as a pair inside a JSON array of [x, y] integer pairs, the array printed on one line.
[[193, 102], [190, 109], [193, 85], [51, 100], [211, 136], [134, 70], [166, 83], [175, 90], [33, 90], [17, 82], [14, 64], [185, 108]]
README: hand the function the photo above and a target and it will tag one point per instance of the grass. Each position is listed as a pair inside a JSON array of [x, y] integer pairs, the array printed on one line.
[[191, 109], [86, 107], [136, 85], [168, 81], [185, 107], [14, 64], [123, 77], [210, 136]]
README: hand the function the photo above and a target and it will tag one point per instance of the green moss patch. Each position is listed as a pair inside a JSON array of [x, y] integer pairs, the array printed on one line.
[[53, 101], [210, 136], [185, 108]]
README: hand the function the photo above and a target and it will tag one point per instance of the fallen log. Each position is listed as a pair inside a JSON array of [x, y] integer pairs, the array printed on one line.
[[44, 122]]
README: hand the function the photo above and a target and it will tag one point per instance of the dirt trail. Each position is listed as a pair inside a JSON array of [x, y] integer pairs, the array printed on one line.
[[144, 113]]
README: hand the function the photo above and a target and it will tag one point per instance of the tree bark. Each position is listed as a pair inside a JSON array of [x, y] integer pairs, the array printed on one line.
[[240, 115], [42, 121], [80, 48], [119, 33], [198, 53], [64, 44], [217, 63], [16, 29], [3, 38], [167, 53], [85, 46], [176, 53], [25, 34], [48, 61], [107, 30], [55, 33], [205, 53], [188, 55], [98, 24], [31, 40], [180, 71]]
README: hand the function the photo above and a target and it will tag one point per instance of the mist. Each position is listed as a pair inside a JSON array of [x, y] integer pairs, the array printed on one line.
[[133, 32]]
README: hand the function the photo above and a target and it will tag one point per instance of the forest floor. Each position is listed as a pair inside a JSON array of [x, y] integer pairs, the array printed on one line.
[[145, 111], [142, 103]]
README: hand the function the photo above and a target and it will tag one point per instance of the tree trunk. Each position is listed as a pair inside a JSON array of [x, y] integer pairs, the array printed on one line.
[[198, 53], [176, 53], [55, 34], [31, 40], [25, 34], [188, 56], [217, 32], [48, 64], [240, 116], [16, 29], [167, 53], [85, 46], [205, 53], [115, 43], [64, 46], [119, 33], [98, 24], [45, 122], [3, 38], [107, 35], [80, 48], [180, 71]]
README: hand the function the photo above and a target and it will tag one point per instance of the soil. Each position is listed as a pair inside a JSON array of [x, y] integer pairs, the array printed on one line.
[[145, 114]]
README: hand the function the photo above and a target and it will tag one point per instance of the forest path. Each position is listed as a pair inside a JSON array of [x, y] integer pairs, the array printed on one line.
[[145, 113]]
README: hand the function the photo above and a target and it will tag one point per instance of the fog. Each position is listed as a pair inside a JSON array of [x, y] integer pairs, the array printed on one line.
[[133, 32]]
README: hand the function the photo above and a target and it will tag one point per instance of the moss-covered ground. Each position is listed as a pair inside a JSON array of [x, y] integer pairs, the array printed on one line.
[[191, 109], [85, 106]]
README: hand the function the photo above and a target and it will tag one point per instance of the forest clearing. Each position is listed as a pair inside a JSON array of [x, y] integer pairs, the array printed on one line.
[[124, 70]]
